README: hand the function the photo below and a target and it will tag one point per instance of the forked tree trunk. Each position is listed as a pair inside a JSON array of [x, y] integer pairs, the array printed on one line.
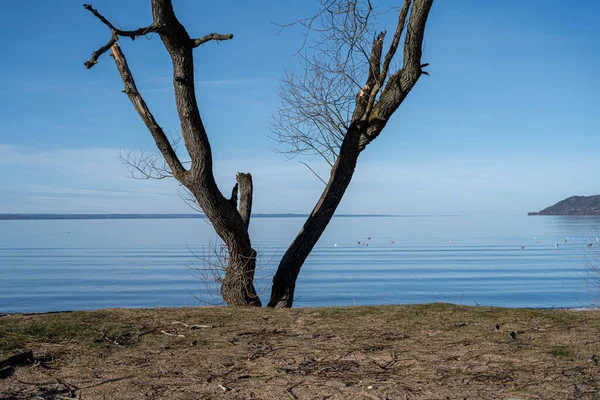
[[237, 288], [230, 224]]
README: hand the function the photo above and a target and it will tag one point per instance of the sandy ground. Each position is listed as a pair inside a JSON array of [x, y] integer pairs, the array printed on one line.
[[435, 351]]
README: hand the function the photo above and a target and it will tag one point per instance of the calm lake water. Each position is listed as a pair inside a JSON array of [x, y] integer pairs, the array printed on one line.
[[48, 265]]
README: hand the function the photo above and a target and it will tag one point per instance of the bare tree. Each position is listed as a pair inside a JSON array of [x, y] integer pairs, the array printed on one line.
[[334, 108], [339, 103], [230, 223]]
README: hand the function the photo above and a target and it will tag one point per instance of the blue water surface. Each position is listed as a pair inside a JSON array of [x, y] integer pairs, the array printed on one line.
[[49, 265]]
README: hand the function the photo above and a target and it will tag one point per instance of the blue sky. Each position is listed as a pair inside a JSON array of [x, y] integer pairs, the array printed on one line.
[[507, 122]]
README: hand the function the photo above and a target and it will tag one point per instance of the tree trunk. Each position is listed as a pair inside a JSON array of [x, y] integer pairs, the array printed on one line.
[[237, 287], [230, 224], [284, 281], [370, 116]]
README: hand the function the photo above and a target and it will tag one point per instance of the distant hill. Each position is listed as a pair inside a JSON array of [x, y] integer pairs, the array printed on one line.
[[575, 205]]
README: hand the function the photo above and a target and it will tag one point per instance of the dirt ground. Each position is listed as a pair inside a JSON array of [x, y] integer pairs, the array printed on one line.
[[434, 351]]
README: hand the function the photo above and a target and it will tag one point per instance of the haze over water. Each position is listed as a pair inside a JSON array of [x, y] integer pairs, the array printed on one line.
[[49, 265]]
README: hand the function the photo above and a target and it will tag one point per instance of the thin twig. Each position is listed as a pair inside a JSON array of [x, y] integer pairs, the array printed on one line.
[[115, 33], [313, 171], [171, 334]]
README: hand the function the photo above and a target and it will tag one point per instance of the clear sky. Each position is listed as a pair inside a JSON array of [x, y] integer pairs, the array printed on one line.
[[508, 121]]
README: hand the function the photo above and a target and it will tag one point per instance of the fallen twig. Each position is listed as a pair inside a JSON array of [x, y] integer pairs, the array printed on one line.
[[227, 372], [171, 334], [260, 353], [192, 326], [290, 390], [388, 364], [35, 383], [224, 388], [67, 384]]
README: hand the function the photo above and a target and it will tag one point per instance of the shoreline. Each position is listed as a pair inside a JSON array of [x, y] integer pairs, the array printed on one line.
[[425, 351], [33, 313]]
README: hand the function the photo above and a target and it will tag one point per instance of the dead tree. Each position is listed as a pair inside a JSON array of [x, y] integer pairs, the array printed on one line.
[[341, 114], [339, 104], [230, 222]]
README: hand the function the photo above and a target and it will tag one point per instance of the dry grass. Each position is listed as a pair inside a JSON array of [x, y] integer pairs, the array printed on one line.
[[434, 351]]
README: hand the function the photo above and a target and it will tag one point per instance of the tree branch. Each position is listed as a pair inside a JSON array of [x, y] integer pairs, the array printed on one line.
[[209, 37], [245, 208], [140, 105], [179, 45], [313, 171], [145, 165], [366, 97], [234, 195], [96, 54], [395, 41], [374, 84], [319, 102], [413, 43], [115, 33], [401, 82], [375, 59]]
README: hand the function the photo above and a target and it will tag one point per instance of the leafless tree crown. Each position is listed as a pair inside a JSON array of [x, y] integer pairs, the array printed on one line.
[[341, 51]]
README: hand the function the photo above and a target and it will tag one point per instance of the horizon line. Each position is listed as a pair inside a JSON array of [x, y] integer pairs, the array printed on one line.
[[65, 216]]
